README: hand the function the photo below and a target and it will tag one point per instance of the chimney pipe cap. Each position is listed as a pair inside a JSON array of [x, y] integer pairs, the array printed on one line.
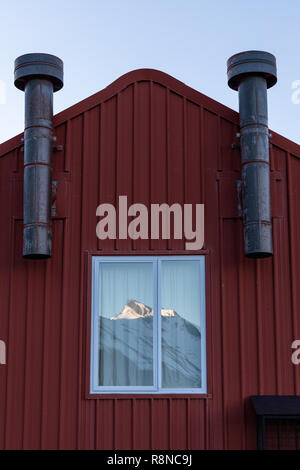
[[38, 65], [247, 63]]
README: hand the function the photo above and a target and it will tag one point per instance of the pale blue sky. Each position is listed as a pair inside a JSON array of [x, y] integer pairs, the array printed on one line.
[[190, 39]]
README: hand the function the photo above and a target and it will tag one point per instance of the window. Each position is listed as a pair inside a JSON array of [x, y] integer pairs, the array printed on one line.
[[148, 324]]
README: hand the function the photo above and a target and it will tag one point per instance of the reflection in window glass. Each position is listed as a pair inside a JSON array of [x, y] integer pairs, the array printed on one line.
[[125, 324], [148, 324], [180, 320]]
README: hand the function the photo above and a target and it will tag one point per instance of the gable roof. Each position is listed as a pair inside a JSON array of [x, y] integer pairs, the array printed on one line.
[[161, 78]]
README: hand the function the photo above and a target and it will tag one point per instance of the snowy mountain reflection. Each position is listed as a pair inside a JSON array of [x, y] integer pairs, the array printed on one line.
[[126, 348]]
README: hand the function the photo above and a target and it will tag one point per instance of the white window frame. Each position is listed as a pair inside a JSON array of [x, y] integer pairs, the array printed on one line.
[[94, 362]]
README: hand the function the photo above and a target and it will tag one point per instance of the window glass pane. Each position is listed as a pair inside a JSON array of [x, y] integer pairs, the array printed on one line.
[[125, 324], [180, 319]]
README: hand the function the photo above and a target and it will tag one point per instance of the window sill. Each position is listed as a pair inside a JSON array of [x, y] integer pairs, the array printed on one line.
[[147, 396]]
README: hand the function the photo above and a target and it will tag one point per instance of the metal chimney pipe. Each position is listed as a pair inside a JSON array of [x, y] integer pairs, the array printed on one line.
[[39, 75], [251, 73]]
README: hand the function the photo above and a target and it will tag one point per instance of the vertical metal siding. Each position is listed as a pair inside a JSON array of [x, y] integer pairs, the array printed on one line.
[[155, 140]]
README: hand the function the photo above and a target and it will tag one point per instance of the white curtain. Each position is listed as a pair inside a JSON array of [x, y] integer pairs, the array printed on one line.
[[126, 345], [181, 336]]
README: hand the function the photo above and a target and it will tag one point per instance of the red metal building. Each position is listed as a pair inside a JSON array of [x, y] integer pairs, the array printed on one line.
[[151, 137]]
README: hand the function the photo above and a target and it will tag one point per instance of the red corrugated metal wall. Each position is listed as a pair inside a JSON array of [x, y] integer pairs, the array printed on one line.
[[156, 140]]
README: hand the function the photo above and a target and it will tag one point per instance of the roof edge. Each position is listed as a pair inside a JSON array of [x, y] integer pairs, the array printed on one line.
[[146, 75], [159, 77]]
